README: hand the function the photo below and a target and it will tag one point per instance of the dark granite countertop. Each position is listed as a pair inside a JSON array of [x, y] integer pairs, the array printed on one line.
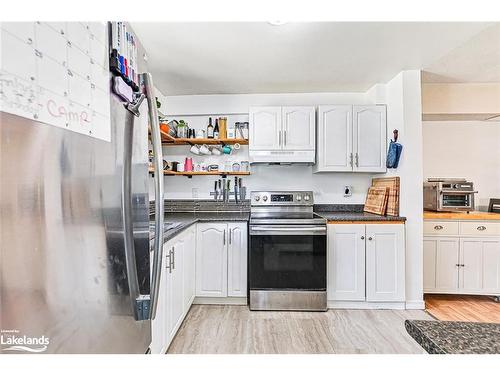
[[357, 216], [350, 212], [176, 222], [441, 337]]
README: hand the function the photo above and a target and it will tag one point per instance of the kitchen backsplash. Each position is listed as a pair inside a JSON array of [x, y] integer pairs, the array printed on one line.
[[327, 187]]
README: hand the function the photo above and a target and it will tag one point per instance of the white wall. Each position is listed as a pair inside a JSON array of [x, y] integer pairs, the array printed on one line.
[[469, 149], [327, 187], [402, 95]]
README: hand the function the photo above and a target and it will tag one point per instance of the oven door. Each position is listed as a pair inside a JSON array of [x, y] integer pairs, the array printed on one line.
[[456, 200], [287, 257]]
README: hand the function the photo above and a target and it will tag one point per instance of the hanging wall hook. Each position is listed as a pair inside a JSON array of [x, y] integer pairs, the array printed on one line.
[[396, 133]]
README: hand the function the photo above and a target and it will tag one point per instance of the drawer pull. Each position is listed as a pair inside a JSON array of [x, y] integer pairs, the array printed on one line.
[[438, 227], [362, 237], [481, 227]]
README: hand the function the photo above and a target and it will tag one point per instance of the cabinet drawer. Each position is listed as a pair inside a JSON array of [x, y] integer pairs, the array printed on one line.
[[441, 227], [478, 228]]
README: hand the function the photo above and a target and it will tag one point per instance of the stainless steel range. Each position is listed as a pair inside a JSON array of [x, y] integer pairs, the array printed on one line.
[[287, 253]]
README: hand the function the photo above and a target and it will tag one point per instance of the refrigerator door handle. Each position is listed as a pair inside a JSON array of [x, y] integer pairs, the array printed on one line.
[[140, 303], [158, 188]]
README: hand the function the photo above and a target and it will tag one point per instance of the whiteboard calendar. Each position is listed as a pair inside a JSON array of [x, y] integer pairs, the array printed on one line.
[[57, 73]]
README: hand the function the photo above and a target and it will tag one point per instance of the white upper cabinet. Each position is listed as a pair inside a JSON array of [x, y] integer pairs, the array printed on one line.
[[351, 138], [346, 262], [334, 139], [299, 130], [265, 128], [211, 260], [237, 260], [369, 135], [290, 128], [385, 262]]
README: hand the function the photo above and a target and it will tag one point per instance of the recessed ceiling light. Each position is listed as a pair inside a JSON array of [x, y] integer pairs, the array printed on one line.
[[277, 23]]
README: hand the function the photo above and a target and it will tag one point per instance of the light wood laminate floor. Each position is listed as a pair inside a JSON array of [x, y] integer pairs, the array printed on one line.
[[237, 330], [463, 308]]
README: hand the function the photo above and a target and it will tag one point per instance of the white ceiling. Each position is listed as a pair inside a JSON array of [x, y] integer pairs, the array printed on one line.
[[477, 60], [256, 57]]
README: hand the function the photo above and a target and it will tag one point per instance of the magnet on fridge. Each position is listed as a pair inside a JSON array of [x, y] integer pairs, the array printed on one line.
[[122, 65]]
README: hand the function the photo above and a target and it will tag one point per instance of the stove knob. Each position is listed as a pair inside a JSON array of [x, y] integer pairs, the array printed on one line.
[[298, 198], [264, 198], [257, 198], [306, 197]]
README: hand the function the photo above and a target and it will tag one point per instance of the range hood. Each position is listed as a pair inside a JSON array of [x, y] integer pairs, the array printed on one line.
[[461, 102], [282, 157]]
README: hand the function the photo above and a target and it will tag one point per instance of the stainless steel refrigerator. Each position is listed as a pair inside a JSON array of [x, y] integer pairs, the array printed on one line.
[[75, 251]]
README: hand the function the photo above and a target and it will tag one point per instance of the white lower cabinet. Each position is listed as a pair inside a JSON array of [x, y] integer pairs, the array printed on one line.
[[385, 262], [176, 291], [366, 262], [346, 262], [221, 259], [237, 260], [462, 265]]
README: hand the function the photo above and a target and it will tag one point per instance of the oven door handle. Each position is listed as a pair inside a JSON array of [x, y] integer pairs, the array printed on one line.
[[295, 230], [458, 192]]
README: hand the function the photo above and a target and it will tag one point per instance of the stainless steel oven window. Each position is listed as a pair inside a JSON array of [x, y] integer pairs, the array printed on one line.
[[456, 200]]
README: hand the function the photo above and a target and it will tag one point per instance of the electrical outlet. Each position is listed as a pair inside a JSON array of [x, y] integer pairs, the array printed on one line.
[[347, 190]]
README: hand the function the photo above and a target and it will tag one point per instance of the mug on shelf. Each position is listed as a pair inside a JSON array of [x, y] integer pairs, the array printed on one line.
[[200, 150], [216, 150], [227, 149], [205, 150], [236, 167], [245, 166]]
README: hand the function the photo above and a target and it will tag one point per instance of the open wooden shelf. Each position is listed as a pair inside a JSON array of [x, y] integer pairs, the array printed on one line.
[[193, 173], [168, 140]]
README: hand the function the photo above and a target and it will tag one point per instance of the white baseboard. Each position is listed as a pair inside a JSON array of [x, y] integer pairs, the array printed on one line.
[[415, 305], [220, 301], [366, 305]]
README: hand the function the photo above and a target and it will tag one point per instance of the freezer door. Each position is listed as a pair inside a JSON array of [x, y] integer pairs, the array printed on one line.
[[63, 269]]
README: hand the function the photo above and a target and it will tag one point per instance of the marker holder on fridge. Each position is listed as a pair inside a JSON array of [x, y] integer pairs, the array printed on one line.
[[123, 54]]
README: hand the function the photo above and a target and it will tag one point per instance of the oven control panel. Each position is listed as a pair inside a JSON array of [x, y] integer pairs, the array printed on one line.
[[278, 198]]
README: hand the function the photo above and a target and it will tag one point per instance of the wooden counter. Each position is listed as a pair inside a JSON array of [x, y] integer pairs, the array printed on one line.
[[474, 215]]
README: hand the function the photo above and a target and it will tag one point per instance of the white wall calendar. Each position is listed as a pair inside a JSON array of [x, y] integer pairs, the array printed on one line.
[[57, 73]]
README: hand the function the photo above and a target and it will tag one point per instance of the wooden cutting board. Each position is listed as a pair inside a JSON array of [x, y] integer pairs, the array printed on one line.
[[393, 201], [376, 200]]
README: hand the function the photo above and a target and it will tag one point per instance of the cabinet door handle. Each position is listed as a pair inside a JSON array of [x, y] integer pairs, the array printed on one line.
[[362, 237], [284, 138], [173, 257], [230, 235], [369, 238], [457, 265], [438, 227], [279, 137], [351, 159], [224, 237], [357, 160], [481, 227]]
